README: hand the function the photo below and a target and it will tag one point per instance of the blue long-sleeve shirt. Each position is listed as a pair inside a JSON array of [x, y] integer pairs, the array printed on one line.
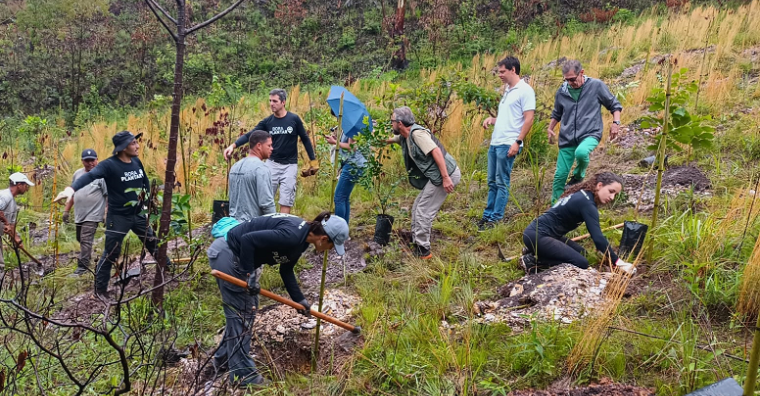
[[272, 239]]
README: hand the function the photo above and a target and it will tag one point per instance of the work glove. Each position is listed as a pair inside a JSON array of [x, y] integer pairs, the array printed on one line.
[[64, 195], [305, 312], [254, 288], [312, 169], [66, 217], [628, 268]]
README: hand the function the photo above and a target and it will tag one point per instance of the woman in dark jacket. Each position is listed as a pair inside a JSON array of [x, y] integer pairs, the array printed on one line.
[[239, 250], [544, 239]]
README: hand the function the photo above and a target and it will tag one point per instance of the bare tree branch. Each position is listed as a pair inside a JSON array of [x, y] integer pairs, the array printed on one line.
[[174, 36], [215, 17], [163, 11]]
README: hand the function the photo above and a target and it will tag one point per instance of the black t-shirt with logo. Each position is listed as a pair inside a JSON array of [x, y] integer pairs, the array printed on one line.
[[119, 176], [276, 238], [285, 132]]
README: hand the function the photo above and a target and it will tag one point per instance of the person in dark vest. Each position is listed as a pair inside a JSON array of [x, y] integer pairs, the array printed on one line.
[[430, 169], [124, 176], [239, 250], [545, 242]]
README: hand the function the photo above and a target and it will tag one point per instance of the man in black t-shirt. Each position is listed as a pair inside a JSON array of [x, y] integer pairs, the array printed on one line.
[[285, 128], [124, 176]]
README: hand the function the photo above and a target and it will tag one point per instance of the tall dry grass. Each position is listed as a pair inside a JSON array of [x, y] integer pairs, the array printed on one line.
[[682, 34]]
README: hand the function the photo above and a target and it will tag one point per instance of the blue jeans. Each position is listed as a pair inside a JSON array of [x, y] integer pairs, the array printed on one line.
[[499, 171], [349, 175]]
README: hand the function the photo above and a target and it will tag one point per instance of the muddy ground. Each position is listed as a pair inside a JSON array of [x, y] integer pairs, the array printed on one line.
[[605, 387], [640, 189]]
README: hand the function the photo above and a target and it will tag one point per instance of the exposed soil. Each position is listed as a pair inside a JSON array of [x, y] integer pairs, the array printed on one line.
[[605, 387], [630, 137], [675, 180], [353, 261]]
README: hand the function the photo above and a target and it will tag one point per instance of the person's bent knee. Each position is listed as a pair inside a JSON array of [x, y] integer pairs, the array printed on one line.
[[581, 263]]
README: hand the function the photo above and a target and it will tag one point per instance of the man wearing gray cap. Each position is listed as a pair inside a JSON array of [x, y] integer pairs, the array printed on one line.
[[18, 184], [124, 176], [89, 211]]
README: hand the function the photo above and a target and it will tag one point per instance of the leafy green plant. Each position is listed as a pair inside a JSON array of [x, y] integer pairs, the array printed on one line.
[[683, 129], [180, 208], [380, 180]]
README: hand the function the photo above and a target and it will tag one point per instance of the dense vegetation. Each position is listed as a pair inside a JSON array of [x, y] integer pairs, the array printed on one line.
[[79, 58], [67, 88]]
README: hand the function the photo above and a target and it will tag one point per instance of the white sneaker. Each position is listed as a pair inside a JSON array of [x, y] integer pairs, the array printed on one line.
[[628, 268]]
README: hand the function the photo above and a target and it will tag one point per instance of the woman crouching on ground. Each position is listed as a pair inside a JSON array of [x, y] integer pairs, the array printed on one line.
[[545, 241], [240, 250]]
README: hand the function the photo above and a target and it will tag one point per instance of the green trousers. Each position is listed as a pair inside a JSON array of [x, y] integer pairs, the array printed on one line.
[[567, 155]]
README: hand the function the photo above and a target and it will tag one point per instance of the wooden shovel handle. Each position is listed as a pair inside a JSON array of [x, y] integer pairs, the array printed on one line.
[[282, 300]]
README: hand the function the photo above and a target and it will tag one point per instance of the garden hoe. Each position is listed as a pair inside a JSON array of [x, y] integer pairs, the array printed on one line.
[[282, 300]]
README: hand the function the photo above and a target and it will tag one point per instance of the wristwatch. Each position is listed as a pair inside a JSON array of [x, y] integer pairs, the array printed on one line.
[[616, 122], [518, 141]]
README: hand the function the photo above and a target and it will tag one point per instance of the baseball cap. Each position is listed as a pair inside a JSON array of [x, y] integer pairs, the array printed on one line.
[[19, 177], [122, 139], [89, 154], [223, 226], [337, 230]]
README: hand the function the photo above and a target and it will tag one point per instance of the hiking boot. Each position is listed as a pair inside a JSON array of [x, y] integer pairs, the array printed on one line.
[[574, 180], [258, 382], [486, 226], [79, 271], [422, 253], [103, 296], [528, 263]]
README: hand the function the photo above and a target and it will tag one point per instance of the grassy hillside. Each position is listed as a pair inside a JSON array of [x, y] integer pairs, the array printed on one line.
[[681, 325]]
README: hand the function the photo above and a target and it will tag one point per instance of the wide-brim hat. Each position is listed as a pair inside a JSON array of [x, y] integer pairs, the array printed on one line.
[[122, 139]]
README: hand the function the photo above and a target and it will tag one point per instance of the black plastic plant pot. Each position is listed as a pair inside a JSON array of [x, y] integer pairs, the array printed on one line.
[[383, 228], [633, 239], [221, 209]]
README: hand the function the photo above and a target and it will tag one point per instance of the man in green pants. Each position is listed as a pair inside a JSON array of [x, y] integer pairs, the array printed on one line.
[[577, 105]]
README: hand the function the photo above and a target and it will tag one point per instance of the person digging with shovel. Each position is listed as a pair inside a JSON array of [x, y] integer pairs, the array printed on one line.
[[239, 250], [545, 241]]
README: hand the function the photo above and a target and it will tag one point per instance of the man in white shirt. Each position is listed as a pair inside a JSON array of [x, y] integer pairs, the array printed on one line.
[[18, 184], [511, 125]]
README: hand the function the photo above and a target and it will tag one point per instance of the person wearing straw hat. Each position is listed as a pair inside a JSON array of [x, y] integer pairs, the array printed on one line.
[[18, 184], [239, 250], [127, 185], [89, 211]]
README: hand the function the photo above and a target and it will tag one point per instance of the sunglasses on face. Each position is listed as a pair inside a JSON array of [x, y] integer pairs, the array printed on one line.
[[573, 79]]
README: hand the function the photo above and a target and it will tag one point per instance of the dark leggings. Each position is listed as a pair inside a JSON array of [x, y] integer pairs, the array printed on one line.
[[550, 251]]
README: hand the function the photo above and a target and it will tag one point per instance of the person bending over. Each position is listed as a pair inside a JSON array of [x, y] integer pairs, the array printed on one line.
[[545, 241], [239, 250]]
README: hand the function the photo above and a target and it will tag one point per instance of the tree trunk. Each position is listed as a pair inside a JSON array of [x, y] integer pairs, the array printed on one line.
[[171, 160], [399, 57]]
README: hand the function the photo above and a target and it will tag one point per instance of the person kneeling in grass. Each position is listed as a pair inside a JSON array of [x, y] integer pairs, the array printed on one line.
[[239, 250], [545, 241]]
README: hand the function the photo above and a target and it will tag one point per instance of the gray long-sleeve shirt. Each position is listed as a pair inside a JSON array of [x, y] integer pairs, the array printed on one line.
[[583, 118], [250, 189]]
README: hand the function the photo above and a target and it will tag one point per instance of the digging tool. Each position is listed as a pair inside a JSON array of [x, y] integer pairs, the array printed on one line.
[[576, 239], [282, 300]]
